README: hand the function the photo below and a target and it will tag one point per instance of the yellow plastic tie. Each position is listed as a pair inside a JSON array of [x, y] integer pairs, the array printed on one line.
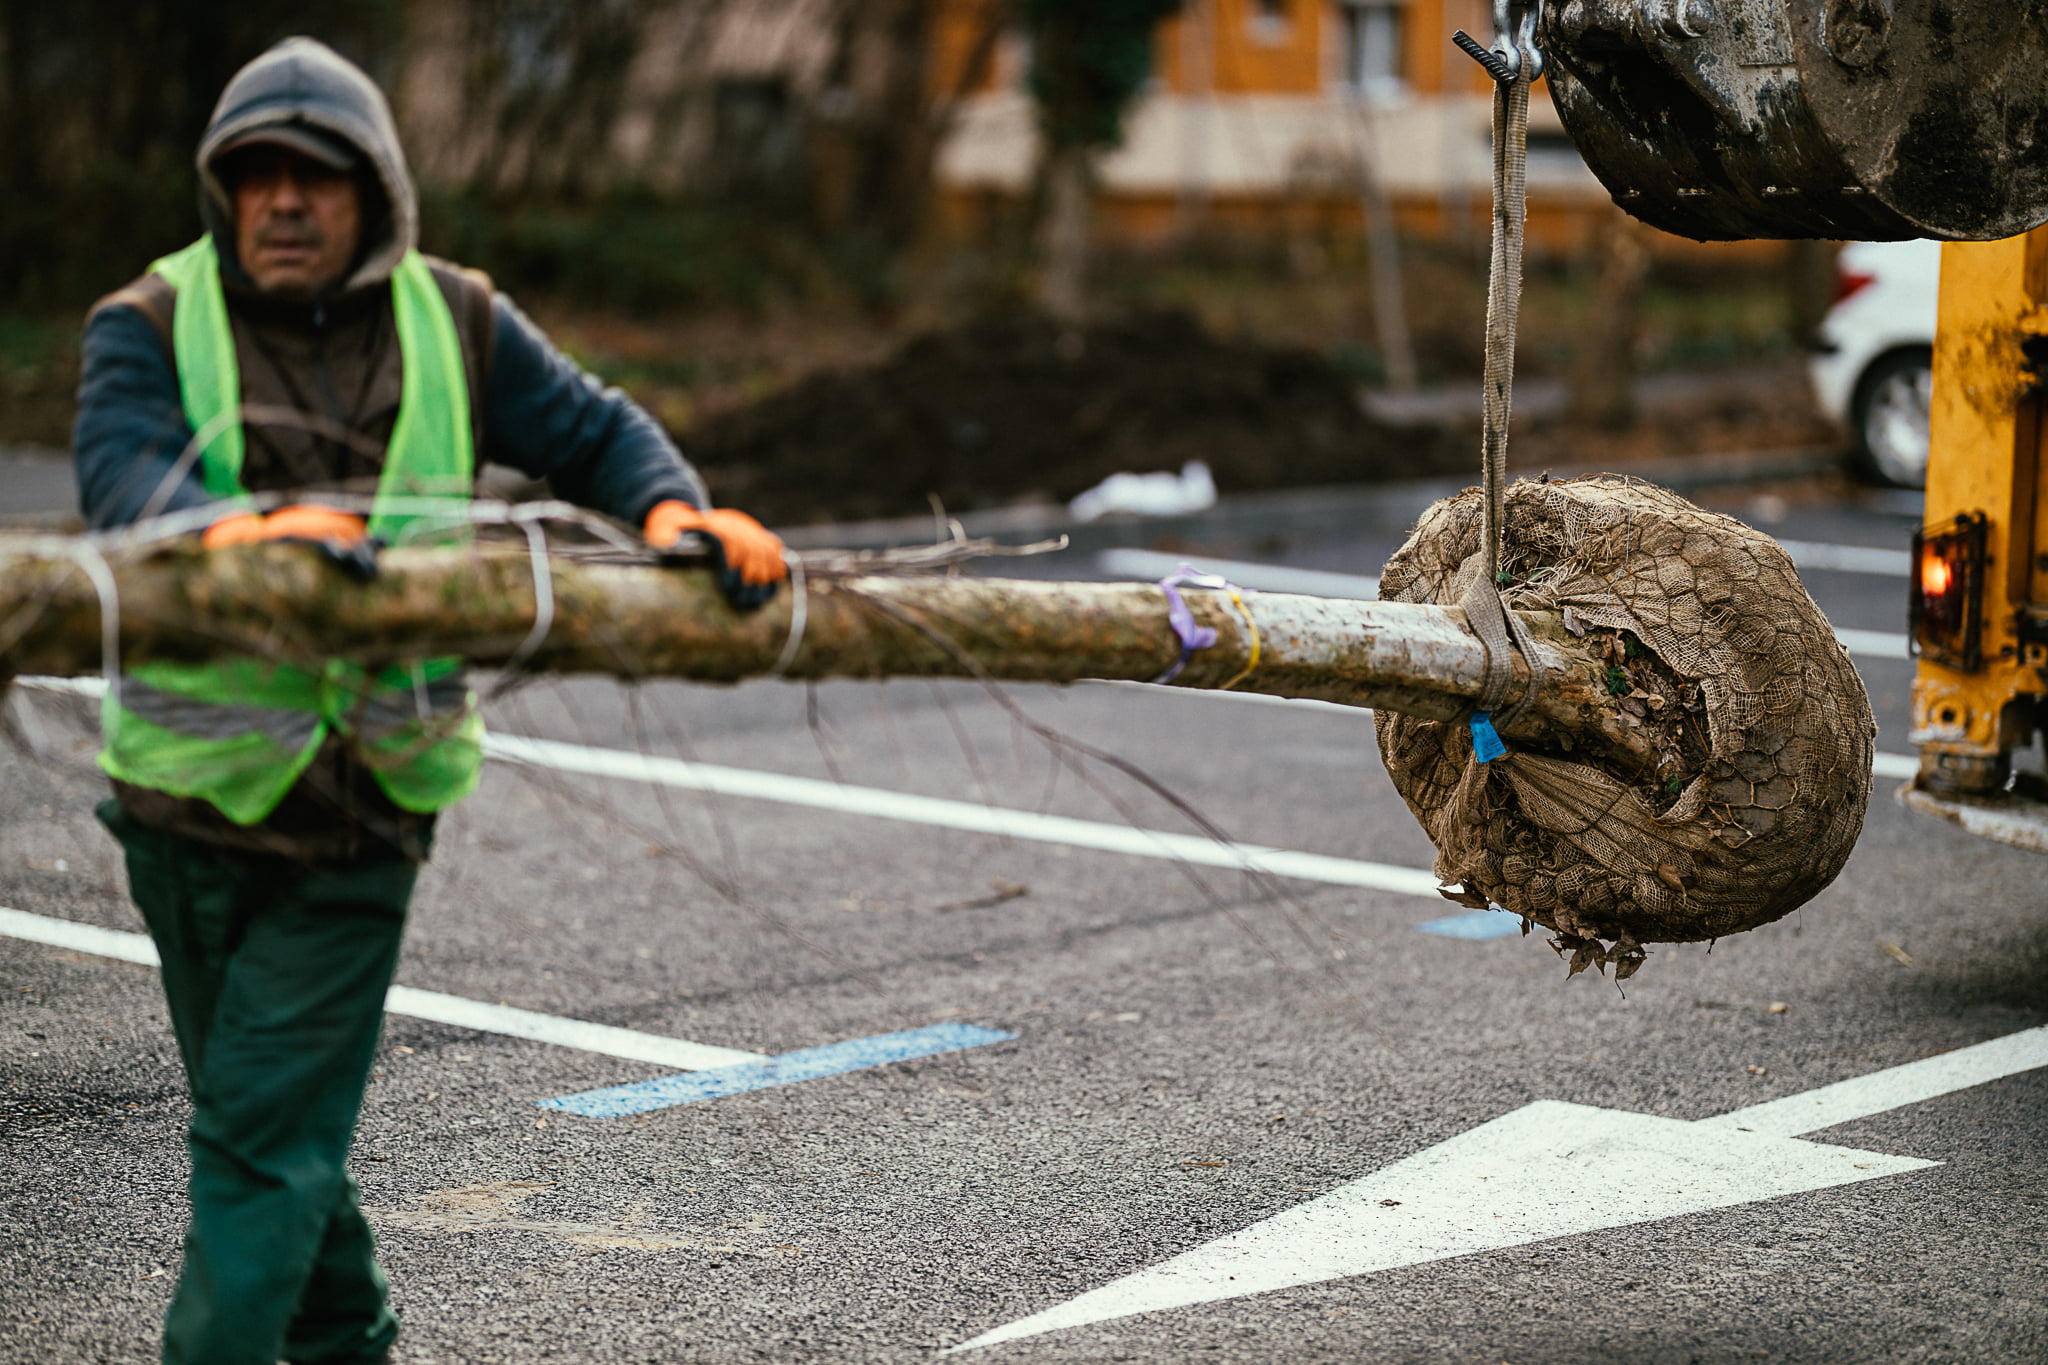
[[1252, 627]]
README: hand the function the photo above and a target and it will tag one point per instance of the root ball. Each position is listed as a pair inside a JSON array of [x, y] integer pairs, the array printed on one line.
[[1762, 725]]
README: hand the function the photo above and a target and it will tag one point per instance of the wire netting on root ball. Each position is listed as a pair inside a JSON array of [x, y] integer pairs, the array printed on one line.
[[1761, 725]]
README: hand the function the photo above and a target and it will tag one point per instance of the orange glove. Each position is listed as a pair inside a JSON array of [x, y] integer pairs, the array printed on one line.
[[340, 536], [747, 554], [301, 522]]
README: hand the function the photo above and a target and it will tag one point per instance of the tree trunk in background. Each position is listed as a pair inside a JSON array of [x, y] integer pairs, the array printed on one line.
[[881, 119], [1603, 373], [1198, 87], [868, 119], [1062, 281], [1089, 60], [1810, 285], [918, 156], [1383, 240], [102, 103]]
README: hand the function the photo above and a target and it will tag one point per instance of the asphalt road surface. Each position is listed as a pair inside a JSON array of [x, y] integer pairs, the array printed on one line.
[[1200, 1065]]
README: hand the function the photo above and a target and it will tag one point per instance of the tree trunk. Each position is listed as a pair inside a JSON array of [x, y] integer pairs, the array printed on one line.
[[1198, 106], [885, 113], [285, 602], [1603, 373], [1809, 287], [1383, 240], [1062, 283]]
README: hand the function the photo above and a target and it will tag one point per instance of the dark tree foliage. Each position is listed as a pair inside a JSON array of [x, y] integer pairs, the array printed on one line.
[[101, 106], [1089, 59], [543, 81]]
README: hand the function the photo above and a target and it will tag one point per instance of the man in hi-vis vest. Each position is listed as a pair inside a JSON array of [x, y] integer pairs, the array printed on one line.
[[275, 818]]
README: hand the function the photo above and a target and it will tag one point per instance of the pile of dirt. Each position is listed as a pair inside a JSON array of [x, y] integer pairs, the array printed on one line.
[[1020, 407]]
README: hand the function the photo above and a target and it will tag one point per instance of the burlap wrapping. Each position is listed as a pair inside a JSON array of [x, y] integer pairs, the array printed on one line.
[[1759, 813]]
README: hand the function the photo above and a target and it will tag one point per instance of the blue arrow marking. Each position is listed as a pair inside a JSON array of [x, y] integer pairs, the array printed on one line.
[[1478, 926], [806, 1064]]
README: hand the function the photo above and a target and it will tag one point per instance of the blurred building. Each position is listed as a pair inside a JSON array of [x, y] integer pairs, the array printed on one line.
[[1270, 115], [1263, 116], [549, 97]]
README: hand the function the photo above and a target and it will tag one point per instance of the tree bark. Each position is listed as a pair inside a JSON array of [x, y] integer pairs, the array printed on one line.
[[285, 602]]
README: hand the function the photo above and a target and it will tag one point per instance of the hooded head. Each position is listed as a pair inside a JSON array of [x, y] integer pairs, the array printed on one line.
[[305, 96]]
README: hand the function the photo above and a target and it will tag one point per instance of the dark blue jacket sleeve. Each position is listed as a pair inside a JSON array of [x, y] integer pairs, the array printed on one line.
[[595, 446], [131, 424]]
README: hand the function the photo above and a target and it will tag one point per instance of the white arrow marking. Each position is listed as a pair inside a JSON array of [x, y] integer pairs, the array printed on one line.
[[1546, 1170], [1893, 1088]]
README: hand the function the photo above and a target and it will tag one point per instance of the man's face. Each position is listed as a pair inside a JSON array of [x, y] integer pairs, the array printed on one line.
[[297, 220]]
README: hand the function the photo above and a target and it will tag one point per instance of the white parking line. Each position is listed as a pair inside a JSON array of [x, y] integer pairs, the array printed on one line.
[[1151, 564], [1144, 564], [1017, 824], [963, 815], [1873, 644], [930, 810], [1358, 713], [418, 1004], [630, 1044], [79, 938], [994, 819], [1810, 554], [1806, 554], [1883, 765], [1893, 1088]]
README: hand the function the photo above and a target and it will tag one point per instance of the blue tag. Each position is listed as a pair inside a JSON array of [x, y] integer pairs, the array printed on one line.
[[1486, 745]]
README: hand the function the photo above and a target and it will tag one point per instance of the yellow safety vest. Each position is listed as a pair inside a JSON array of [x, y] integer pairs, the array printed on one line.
[[239, 733]]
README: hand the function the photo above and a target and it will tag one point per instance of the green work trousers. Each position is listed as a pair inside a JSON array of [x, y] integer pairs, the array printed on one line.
[[275, 973]]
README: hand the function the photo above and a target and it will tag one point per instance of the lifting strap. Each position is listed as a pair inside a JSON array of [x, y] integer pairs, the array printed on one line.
[[1513, 63]]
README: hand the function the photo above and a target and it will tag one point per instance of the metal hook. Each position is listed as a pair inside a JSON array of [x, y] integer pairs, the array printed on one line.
[[1514, 32], [1486, 57]]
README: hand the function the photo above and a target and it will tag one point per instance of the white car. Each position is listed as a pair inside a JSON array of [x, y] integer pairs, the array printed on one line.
[[1874, 369]]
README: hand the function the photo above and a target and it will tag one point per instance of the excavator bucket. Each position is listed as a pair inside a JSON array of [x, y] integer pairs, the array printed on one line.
[[1871, 120]]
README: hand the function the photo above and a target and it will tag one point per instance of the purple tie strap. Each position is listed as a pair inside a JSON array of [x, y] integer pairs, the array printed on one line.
[[1192, 637]]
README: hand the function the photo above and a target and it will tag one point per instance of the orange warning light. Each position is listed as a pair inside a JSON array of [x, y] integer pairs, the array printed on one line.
[[1936, 576], [1946, 606]]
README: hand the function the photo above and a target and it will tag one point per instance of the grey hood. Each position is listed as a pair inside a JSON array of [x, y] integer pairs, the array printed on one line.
[[303, 81]]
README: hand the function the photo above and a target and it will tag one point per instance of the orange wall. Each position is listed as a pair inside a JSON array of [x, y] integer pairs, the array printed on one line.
[[956, 32], [1300, 57], [1245, 54], [1308, 55]]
